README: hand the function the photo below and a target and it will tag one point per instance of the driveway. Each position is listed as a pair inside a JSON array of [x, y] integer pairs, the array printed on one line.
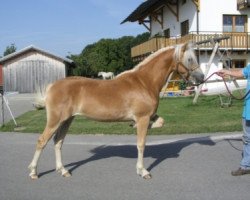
[[103, 167], [15, 103]]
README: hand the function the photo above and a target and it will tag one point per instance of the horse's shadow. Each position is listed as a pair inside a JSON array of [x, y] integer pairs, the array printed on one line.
[[159, 152]]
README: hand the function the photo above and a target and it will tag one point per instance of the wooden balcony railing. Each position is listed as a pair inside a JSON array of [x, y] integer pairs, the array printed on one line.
[[236, 41]]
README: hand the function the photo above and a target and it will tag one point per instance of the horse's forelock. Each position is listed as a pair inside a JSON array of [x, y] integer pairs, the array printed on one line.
[[188, 54]]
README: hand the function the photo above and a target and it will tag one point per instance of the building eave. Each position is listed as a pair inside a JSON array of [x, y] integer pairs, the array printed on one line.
[[35, 49], [145, 8]]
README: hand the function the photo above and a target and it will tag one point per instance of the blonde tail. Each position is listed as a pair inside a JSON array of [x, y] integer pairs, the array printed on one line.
[[41, 96]]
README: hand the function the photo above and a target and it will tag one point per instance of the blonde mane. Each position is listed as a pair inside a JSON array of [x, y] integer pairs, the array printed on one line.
[[146, 60]]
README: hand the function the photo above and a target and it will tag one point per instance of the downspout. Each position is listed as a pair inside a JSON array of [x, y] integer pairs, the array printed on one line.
[[198, 31], [197, 22]]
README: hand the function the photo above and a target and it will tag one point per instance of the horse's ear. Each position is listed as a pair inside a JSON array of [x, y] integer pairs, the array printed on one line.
[[187, 46]]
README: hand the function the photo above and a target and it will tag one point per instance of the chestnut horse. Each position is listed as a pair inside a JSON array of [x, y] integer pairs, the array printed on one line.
[[131, 96]]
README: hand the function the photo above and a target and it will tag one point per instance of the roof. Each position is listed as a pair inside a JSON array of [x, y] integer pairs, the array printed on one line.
[[36, 49], [143, 10]]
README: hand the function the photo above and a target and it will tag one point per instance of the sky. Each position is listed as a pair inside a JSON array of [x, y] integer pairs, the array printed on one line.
[[64, 27]]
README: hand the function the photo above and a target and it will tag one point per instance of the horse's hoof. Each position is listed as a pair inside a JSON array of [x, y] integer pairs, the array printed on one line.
[[147, 176], [66, 175], [33, 177]]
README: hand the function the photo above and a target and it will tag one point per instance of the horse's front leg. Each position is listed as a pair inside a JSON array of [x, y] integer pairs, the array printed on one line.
[[158, 122], [142, 127], [155, 122]]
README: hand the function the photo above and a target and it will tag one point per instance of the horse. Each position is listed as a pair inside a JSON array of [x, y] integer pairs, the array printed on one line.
[[132, 96], [106, 75]]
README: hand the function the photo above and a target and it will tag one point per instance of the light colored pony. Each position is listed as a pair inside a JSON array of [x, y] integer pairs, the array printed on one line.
[[106, 75], [131, 96]]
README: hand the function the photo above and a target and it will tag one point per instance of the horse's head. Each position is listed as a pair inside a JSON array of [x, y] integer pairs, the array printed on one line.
[[100, 73], [186, 64]]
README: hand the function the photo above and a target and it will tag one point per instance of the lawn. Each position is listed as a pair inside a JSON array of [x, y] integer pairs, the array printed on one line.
[[180, 115]]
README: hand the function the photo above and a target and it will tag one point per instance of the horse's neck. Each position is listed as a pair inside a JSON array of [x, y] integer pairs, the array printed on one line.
[[156, 72]]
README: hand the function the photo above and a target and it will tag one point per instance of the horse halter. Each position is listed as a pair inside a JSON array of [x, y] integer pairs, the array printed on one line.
[[189, 71]]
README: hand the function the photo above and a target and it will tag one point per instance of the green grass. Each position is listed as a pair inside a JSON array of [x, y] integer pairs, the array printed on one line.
[[180, 115]]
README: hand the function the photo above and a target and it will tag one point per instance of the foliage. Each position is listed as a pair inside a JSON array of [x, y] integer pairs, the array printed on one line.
[[9, 49], [108, 55], [182, 85], [180, 115]]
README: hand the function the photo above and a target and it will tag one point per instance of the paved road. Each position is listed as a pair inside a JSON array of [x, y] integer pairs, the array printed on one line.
[[18, 104], [185, 167]]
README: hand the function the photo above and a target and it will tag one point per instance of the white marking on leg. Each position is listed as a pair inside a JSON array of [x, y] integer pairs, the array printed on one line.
[[59, 166], [33, 164], [158, 123], [142, 126]]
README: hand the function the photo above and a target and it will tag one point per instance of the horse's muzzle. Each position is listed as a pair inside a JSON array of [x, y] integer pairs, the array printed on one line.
[[197, 78], [200, 78]]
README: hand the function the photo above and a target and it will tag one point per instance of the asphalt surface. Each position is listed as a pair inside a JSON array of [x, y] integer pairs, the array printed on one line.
[[103, 167], [14, 103]]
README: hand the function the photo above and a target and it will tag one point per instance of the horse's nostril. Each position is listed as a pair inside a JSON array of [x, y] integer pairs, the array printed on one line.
[[202, 77]]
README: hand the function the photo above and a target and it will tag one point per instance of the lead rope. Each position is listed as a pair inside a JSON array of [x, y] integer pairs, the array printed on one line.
[[229, 92]]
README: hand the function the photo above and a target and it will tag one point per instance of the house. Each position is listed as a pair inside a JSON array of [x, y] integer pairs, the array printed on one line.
[[172, 22], [30, 68]]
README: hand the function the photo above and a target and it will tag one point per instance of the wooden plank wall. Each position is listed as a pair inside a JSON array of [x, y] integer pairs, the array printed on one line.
[[28, 75]]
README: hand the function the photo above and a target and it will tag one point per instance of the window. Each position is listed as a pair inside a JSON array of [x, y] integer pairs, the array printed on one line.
[[184, 28], [227, 23], [240, 23], [167, 33], [183, 2], [238, 63], [234, 23]]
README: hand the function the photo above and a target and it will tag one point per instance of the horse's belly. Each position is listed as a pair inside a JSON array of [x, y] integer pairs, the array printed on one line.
[[106, 114]]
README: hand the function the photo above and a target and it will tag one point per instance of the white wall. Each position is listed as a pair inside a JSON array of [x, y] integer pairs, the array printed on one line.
[[187, 12], [211, 13], [210, 16]]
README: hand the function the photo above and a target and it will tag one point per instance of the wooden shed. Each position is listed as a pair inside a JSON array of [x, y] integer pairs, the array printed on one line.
[[31, 68]]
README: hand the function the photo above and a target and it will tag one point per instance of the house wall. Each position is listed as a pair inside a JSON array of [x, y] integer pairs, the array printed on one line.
[[28, 72], [210, 16], [210, 20], [187, 12], [212, 11]]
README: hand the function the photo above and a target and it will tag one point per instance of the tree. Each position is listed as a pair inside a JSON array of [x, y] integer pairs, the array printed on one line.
[[109, 55], [10, 49]]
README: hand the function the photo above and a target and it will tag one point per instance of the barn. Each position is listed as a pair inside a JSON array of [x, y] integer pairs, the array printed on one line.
[[30, 68]]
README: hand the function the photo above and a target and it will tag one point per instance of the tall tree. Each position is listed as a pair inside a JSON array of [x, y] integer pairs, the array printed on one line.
[[113, 55], [10, 49]]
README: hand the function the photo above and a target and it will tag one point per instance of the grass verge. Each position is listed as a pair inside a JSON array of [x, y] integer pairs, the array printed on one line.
[[180, 115]]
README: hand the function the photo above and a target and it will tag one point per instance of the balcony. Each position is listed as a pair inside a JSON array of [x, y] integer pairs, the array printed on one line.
[[236, 42], [242, 4]]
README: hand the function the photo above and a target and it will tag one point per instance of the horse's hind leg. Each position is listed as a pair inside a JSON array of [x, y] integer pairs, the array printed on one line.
[[58, 140], [52, 125], [41, 143]]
